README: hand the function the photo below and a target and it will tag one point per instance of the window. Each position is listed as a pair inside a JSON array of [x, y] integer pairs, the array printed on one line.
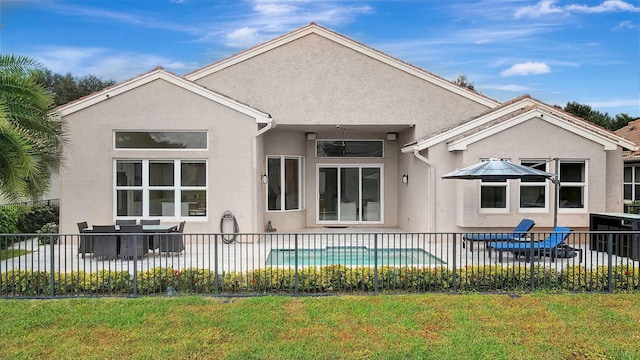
[[573, 184], [350, 148], [161, 140], [632, 182], [284, 183], [533, 192], [493, 195], [161, 188]]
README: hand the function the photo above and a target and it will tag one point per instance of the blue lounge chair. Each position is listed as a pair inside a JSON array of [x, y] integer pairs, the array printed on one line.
[[517, 233], [528, 248]]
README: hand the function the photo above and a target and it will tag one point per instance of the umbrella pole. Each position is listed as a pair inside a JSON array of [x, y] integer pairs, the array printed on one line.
[[556, 183]]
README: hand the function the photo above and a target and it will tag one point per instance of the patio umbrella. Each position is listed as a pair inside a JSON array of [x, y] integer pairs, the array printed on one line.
[[500, 170], [497, 170]]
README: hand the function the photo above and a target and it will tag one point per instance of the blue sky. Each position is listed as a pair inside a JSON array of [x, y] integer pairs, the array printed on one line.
[[556, 51]]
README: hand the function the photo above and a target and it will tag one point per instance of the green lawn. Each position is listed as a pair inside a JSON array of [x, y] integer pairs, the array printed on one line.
[[536, 326], [10, 253]]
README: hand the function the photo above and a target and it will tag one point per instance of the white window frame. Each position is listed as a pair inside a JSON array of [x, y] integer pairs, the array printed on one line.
[[545, 209], [359, 166], [584, 185], [635, 181], [507, 201], [507, 190], [206, 148], [176, 188], [350, 157], [301, 204]]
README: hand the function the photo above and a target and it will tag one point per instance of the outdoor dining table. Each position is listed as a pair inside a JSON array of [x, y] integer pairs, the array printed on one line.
[[109, 246]]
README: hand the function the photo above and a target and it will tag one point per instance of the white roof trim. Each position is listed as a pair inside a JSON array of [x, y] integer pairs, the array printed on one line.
[[462, 144], [160, 74], [586, 129], [467, 126], [318, 30]]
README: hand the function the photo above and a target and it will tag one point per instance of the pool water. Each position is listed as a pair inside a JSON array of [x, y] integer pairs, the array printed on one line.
[[352, 256]]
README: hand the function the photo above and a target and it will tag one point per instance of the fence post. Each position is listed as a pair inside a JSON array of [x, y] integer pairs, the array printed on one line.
[[375, 264], [215, 264], [134, 242], [52, 289], [533, 272], [455, 264], [610, 261], [295, 291]]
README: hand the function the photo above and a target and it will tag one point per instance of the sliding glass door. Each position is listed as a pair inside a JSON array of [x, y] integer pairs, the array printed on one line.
[[349, 194]]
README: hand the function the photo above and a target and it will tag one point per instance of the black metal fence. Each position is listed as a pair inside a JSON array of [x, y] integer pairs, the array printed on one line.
[[70, 265]]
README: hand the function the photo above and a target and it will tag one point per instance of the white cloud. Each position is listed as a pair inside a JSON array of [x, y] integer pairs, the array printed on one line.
[[626, 25], [269, 18], [508, 87], [548, 7], [615, 103], [244, 37], [606, 7], [528, 68], [104, 63]]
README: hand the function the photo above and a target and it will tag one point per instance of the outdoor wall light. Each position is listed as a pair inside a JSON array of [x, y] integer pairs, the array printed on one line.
[[311, 136], [405, 178], [265, 178]]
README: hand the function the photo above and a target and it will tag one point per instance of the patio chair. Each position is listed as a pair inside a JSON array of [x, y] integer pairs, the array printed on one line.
[[173, 242], [105, 246], [149, 222], [125, 222], [134, 243], [150, 239], [548, 246], [518, 233], [85, 242]]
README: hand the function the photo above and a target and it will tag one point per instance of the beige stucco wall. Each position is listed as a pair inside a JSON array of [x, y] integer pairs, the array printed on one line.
[[457, 201], [316, 81], [87, 181], [283, 142]]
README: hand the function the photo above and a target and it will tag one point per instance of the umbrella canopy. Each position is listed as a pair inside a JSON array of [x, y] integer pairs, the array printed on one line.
[[497, 170]]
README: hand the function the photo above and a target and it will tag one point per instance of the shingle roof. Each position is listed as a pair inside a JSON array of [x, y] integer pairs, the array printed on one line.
[[631, 132]]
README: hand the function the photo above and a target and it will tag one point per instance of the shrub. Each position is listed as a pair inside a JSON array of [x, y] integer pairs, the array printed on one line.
[[48, 228], [31, 220], [9, 218], [313, 280]]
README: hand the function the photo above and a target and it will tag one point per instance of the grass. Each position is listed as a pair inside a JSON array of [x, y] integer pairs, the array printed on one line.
[[432, 326], [11, 253]]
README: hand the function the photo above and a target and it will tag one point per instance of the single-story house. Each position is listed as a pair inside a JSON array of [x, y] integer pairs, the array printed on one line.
[[314, 129]]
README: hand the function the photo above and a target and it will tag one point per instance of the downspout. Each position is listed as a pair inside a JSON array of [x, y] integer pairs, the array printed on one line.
[[254, 145], [430, 189]]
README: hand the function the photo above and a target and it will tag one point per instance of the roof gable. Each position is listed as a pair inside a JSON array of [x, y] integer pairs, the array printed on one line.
[[313, 28], [516, 112], [159, 74]]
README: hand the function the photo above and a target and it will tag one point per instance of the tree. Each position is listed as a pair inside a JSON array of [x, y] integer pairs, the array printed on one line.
[[462, 80], [602, 119], [67, 88], [30, 141]]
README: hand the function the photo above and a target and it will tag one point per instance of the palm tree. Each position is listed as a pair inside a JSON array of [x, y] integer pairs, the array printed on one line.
[[30, 140]]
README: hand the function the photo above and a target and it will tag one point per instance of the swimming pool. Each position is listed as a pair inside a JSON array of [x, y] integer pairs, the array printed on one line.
[[352, 256]]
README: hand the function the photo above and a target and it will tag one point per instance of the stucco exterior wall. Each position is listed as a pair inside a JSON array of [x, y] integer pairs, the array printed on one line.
[[284, 142], [316, 81], [458, 200], [87, 180]]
